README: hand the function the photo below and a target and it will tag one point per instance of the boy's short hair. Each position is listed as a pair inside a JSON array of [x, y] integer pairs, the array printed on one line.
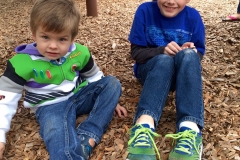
[[55, 16]]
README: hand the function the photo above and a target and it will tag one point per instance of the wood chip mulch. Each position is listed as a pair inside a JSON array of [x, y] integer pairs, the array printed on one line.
[[107, 38]]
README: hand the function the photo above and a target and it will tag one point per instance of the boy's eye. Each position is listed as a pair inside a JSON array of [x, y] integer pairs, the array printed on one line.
[[63, 39], [45, 37]]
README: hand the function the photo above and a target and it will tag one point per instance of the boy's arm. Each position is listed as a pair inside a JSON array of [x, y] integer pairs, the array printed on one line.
[[91, 71], [142, 54], [141, 50], [11, 87], [10, 93], [198, 37]]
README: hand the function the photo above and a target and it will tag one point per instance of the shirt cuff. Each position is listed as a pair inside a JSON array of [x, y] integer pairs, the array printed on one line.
[[96, 77], [2, 136]]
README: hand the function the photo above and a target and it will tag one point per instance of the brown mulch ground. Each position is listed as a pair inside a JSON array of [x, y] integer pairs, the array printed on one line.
[[106, 36]]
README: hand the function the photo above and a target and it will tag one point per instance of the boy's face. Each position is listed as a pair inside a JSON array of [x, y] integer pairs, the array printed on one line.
[[170, 8], [52, 45]]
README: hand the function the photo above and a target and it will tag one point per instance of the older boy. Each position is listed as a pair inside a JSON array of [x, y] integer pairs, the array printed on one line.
[[167, 42], [61, 81]]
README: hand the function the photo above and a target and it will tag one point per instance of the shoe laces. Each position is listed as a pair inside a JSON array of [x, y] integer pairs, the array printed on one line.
[[141, 137], [185, 141]]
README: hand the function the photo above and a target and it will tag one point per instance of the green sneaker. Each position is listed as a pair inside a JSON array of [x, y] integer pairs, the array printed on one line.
[[188, 145], [141, 145]]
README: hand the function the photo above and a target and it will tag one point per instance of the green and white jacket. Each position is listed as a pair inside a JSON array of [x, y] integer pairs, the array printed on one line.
[[45, 81]]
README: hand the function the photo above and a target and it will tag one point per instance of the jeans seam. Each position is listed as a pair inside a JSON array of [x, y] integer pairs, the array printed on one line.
[[68, 154], [165, 94], [67, 132], [94, 108]]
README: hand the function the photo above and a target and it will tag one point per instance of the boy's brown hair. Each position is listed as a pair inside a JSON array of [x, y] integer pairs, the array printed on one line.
[[55, 16]]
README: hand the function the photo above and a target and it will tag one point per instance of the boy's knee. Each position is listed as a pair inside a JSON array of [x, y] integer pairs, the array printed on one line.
[[52, 127], [113, 81], [187, 55], [163, 60]]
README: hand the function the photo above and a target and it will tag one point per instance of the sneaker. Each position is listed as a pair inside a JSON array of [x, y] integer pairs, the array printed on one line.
[[141, 145], [188, 145], [86, 148]]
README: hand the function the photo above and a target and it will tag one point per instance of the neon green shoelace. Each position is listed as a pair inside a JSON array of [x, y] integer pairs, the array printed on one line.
[[186, 138], [141, 135]]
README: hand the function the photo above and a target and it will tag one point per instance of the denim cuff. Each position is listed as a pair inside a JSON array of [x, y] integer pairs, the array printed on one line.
[[96, 139], [199, 122], [147, 112]]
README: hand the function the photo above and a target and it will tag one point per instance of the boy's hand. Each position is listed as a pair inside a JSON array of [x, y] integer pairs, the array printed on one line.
[[2, 148], [189, 45], [120, 111], [172, 49]]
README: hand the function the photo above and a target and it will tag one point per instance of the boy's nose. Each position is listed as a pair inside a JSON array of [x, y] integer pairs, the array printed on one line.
[[53, 45], [170, 1]]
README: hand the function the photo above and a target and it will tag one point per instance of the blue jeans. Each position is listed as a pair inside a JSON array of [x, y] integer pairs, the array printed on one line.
[[164, 73], [58, 121]]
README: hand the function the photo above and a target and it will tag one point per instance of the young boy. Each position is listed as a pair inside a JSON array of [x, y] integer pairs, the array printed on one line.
[[61, 81], [167, 42]]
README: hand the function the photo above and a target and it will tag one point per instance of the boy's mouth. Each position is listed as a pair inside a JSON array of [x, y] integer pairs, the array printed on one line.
[[170, 9], [52, 54]]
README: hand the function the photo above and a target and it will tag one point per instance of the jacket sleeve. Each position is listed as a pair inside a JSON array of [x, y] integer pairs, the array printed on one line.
[[91, 71], [142, 54], [10, 93]]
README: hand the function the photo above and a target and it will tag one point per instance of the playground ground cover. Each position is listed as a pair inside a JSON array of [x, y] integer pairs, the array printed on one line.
[[107, 38]]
